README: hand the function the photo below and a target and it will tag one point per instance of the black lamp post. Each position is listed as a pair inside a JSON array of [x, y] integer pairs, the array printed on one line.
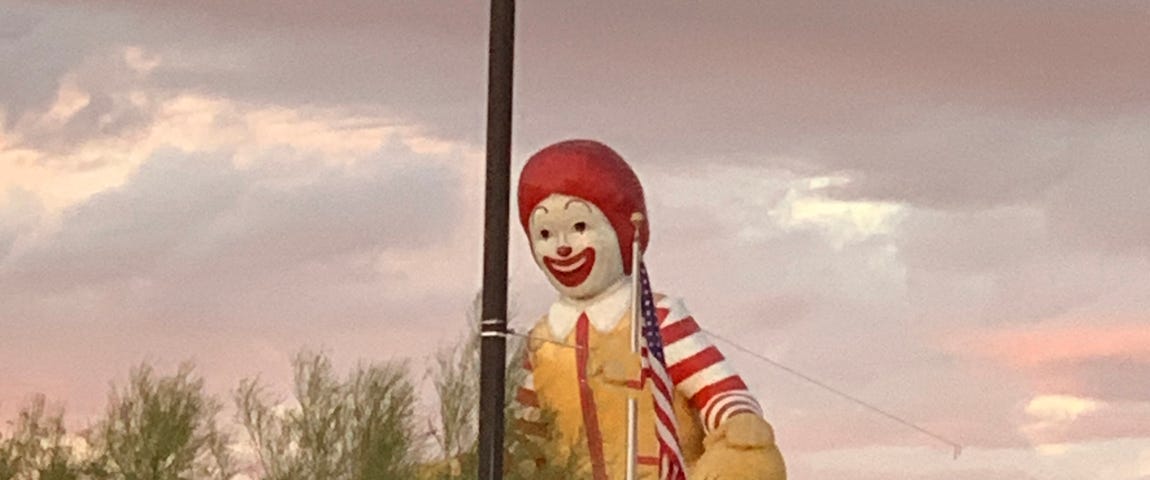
[[493, 347]]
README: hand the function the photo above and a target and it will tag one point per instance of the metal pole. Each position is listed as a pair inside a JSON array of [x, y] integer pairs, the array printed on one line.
[[636, 331], [493, 346]]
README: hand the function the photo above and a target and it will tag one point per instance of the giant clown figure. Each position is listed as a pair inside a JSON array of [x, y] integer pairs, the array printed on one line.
[[577, 203]]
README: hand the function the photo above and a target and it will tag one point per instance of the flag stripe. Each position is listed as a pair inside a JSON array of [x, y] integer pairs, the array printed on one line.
[[655, 369]]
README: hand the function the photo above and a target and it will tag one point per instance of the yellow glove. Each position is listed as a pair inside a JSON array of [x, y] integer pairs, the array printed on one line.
[[742, 448], [613, 362]]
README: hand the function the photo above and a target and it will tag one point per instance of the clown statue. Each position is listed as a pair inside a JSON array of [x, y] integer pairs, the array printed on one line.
[[582, 207]]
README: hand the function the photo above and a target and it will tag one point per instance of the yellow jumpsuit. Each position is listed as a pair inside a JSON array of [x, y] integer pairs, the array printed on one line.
[[591, 413]]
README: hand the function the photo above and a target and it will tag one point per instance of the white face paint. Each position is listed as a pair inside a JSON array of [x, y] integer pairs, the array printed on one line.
[[575, 246]]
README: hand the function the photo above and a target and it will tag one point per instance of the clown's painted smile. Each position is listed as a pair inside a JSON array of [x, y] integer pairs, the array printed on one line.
[[574, 243], [574, 270]]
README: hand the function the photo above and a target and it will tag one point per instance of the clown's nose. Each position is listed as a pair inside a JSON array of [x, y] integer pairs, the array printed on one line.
[[564, 251]]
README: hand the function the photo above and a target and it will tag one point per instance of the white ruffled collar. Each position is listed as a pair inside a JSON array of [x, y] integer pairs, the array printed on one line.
[[604, 311]]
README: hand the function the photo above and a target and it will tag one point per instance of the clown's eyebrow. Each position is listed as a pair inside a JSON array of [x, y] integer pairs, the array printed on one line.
[[573, 200], [541, 207]]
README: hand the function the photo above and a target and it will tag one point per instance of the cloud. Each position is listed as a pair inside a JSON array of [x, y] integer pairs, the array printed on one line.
[[817, 284], [1060, 408], [124, 233], [858, 293], [956, 106], [43, 45], [1007, 265], [1076, 341], [972, 242], [19, 211], [373, 56], [1123, 419], [1099, 360], [199, 215], [1058, 422], [237, 265], [100, 101], [1103, 205]]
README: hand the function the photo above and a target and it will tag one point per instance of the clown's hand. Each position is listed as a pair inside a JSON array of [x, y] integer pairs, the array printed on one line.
[[742, 448], [613, 362]]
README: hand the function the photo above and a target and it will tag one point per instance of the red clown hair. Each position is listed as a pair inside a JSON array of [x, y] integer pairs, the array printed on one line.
[[591, 171]]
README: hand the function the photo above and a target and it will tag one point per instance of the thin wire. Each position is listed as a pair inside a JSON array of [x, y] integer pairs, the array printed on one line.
[[955, 445], [513, 333]]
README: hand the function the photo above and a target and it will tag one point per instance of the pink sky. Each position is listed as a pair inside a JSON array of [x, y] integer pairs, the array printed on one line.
[[941, 207]]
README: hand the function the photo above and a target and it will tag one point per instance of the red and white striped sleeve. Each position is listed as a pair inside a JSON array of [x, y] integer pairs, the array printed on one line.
[[699, 370], [528, 418]]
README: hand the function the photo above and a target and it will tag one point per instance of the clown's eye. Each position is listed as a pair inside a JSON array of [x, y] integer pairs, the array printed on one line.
[[545, 234], [580, 227]]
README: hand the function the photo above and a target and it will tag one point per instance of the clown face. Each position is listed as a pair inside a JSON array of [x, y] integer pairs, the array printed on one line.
[[574, 244]]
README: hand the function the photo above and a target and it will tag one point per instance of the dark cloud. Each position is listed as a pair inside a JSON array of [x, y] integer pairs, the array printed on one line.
[[956, 161], [126, 232], [949, 105], [41, 44], [373, 56], [954, 105], [196, 216], [196, 258], [1105, 205], [105, 116], [335, 214], [1021, 264], [1095, 203]]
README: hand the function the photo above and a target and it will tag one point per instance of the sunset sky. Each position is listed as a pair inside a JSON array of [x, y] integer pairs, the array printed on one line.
[[940, 207]]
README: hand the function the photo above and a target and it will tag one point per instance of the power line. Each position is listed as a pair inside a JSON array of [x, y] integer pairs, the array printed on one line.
[[858, 401]]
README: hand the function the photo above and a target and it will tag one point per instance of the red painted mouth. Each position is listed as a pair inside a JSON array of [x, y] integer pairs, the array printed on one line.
[[573, 270]]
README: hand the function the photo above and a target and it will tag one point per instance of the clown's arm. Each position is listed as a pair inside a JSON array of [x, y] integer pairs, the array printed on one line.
[[531, 431], [528, 414], [739, 443]]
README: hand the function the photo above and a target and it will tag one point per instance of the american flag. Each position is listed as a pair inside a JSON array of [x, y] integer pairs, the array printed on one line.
[[671, 465]]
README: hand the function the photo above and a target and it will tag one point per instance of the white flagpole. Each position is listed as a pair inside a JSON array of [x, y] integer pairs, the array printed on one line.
[[636, 329]]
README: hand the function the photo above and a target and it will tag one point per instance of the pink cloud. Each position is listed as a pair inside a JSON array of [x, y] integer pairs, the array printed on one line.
[[1105, 362], [1032, 347]]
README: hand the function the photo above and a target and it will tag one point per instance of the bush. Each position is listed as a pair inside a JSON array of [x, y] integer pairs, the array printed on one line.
[[38, 448], [163, 428], [362, 428]]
